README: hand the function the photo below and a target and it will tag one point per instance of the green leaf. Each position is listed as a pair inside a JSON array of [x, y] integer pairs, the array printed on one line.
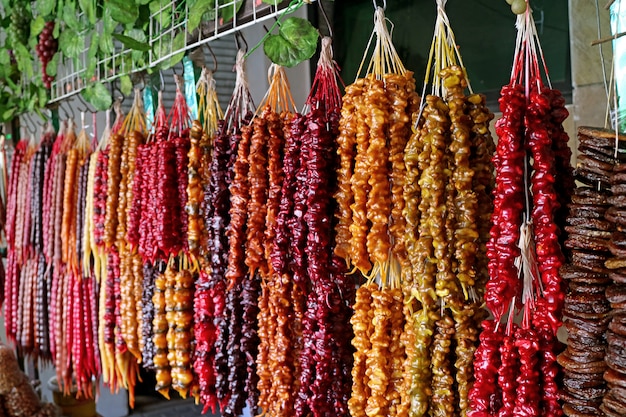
[[108, 24], [36, 26], [269, 2], [126, 85], [92, 61], [45, 7], [197, 10], [71, 43], [98, 96], [5, 58], [89, 8], [131, 43], [296, 42], [53, 65], [70, 17], [229, 12], [8, 114], [163, 12], [142, 2], [123, 11], [163, 49], [24, 61]]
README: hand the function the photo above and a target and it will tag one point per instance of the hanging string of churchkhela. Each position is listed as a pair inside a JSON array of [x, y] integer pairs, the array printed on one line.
[[131, 279], [106, 313], [326, 354], [208, 300], [241, 287], [276, 363], [26, 284], [521, 378], [374, 129], [117, 327], [448, 184], [235, 347]]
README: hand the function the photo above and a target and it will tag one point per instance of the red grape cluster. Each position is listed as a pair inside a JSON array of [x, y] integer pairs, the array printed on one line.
[[46, 48]]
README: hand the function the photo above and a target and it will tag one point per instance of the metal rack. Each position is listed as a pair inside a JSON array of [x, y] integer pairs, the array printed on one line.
[[167, 39]]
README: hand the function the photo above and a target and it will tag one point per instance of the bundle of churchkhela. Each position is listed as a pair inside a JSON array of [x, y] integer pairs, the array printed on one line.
[[374, 128], [515, 364], [447, 193]]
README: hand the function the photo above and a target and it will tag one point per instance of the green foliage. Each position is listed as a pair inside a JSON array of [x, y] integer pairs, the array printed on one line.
[[295, 42]]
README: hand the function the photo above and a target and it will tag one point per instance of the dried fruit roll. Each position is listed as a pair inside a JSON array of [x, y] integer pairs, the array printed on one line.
[[465, 200], [114, 152], [360, 188], [346, 149], [363, 329], [443, 399], [182, 323], [257, 208], [160, 330], [195, 227], [483, 180], [377, 208], [403, 103]]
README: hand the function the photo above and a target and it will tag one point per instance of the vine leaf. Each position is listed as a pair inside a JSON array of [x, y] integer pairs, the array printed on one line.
[[123, 11], [92, 60], [89, 8], [98, 96], [36, 26], [163, 12], [70, 17], [45, 7], [229, 12], [197, 10], [132, 43], [295, 42], [126, 85], [71, 43], [52, 67]]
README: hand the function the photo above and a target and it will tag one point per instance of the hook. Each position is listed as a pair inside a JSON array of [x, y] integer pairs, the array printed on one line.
[[30, 124], [239, 39], [214, 58], [328, 25], [376, 4]]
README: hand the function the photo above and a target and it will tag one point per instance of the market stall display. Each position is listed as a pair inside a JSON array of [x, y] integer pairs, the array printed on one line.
[[331, 261]]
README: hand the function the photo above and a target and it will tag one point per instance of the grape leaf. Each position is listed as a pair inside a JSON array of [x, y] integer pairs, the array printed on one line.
[[71, 43], [36, 26], [126, 85], [132, 43], [45, 7], [229, 12], [123, 11], [89, 8], [53, 65], [92, 61], [5, 58], [165, 46], [70, 17], [296, 42], [24, 60], [98, 96], [163, 12], [196, 11]]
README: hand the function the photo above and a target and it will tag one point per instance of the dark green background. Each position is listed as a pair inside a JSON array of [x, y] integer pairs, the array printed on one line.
[[484, 30]]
